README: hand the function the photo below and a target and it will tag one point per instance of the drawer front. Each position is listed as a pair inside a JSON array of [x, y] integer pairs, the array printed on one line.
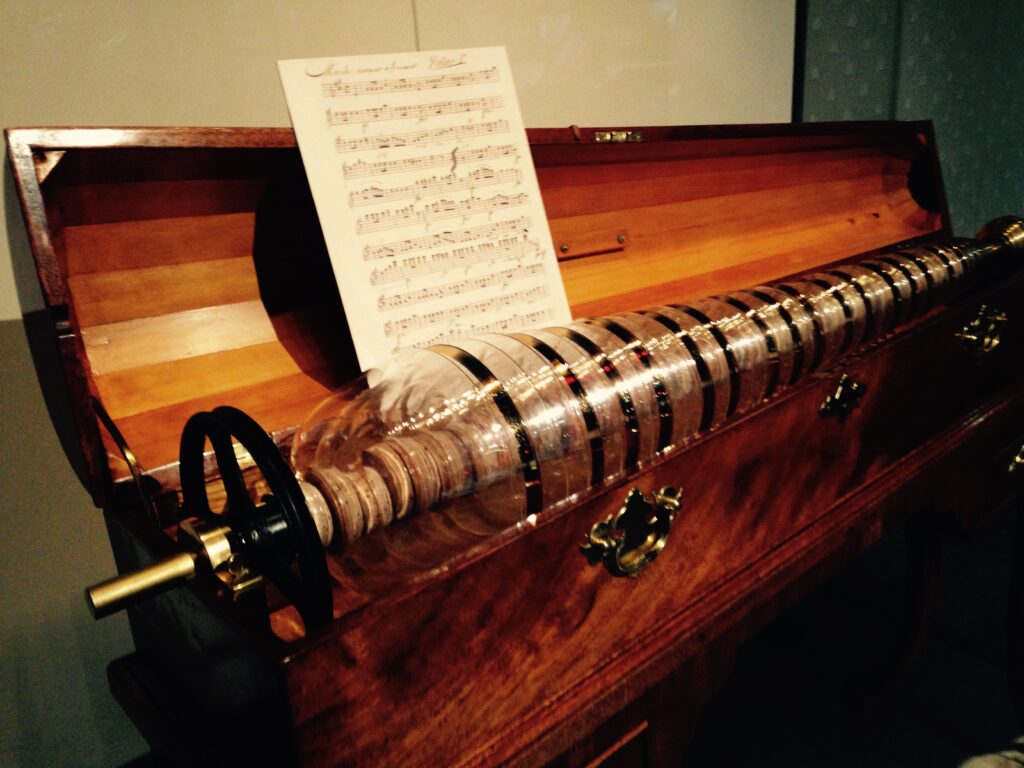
[[494, 662], [990, 475]]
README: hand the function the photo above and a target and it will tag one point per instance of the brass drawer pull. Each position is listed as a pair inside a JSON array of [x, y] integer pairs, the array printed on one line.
[[845, 398], [1017, 462], [981, 335], [629, 539]]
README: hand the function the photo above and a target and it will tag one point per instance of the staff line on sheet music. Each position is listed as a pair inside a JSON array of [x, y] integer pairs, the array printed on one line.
[[399, 85], [362, 169], [460, 258], [517, 321], [419, 138], [437, 211], [500, 279], [415, 321], [427, 184], [484, 104], [484, 231], [452, 182]]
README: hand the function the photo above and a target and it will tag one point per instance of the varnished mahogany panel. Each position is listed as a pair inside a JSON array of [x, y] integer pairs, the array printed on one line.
[[453, 673], [695, 253], [690, 223], [188, 266], [937, 471], [284, 400], [146, 341], [117, 295], [157, 242]]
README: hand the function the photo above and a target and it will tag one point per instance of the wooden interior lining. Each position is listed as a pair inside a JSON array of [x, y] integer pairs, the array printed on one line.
[[618, 187], [135, 390], [282, 401], [156, 242], [126, 294], [685, 250], [764, 211], [656, 167], [157, 246], [694, 142], [176, 336], [132, 200]]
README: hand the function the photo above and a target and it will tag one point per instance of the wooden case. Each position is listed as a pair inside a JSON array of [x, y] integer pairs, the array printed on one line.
[[184, 269]]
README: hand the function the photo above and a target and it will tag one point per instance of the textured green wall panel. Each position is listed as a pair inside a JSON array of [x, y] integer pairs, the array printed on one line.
[[958, 64], [849, 71], [963, 66]]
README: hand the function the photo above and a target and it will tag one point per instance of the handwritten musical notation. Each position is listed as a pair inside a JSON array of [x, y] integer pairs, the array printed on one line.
[[417, 111], [421, 175], [341, 88], [501, 325], [456, 288], [439, 210], [362, 169], [451, 314], [421, 138], [449, 237], [442, 262], [434, 185]]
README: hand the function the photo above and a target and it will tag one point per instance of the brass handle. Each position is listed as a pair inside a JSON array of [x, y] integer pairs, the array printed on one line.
[[843, 400], [628, 540], [209, 547], [981, 335], [114, 594], [1017, 462], [618, 137]]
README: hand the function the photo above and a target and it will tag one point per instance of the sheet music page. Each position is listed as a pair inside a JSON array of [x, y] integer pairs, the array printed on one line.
[[427, 196]]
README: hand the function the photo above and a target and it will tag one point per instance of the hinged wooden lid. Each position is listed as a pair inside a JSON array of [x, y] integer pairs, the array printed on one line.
[[184, 268]]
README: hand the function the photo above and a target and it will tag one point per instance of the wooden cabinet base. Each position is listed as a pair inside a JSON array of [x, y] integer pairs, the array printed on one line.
[[183, 270]]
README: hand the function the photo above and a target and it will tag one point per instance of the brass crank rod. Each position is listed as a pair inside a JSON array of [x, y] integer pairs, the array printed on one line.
[[112, 595], [209, 547]]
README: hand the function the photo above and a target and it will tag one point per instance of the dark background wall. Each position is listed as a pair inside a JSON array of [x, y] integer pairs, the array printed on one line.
[[960, 64]]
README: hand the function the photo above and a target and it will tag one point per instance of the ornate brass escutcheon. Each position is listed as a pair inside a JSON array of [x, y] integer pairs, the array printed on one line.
[[981, 335], [632, 537], [845, 398]]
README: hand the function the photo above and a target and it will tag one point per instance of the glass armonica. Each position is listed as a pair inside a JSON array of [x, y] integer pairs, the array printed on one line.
[[447, 446]]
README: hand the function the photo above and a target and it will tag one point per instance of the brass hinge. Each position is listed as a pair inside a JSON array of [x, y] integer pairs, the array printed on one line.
[[617, 137]]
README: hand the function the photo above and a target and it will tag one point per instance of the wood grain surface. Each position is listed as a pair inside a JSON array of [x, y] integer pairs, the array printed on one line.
[[162, 245], [454, 673], [184, 269]]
